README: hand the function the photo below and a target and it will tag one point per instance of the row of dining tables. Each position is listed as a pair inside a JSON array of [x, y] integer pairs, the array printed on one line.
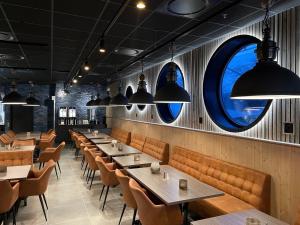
[[165, 185]]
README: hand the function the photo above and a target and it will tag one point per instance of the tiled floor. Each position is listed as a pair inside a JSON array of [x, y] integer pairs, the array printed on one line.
[[72, 203]]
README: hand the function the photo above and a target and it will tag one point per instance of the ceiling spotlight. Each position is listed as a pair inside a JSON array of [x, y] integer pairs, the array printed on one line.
[[86, 66], [75, 81], [101, 46], [80, 76], [141, 4]]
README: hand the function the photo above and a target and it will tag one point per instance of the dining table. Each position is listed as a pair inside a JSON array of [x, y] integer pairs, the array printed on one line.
[[18, 148], [165, 186], [240, 218], [96, 136], [101, 141], [140, 160], [113, 150], [15, 172], [28, 135]]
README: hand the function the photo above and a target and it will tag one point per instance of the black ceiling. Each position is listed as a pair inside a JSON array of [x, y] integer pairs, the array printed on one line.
[[77, 26]]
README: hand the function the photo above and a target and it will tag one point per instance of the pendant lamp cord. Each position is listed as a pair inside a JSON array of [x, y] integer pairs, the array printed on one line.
[[142, 64], [267, 21], [172, 50]]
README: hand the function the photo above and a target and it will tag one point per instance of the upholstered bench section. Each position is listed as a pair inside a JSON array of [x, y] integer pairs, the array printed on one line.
[[244, 188], [137, 141], [158, 149], [121, 135], [16, 158]]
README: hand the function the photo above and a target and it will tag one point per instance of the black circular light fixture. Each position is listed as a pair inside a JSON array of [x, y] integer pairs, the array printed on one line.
[[119, 99], [91, 103], [267, 80], [171, 92], [32, 101], [13, 98], [129, 93]]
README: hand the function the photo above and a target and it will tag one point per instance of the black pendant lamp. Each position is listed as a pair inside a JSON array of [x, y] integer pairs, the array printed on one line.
[[106, 100], [119, 99], [32, 101], [98, 101], [171, 92], [141, 97], [91, 103], [13, 98], [267, 80]]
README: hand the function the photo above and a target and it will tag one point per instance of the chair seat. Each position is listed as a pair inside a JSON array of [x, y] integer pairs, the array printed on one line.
[[219, 206]]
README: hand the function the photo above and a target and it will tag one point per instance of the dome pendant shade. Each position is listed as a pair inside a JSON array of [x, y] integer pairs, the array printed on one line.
[[32, 101], [267, 80], [171, 92], [13, 98], [98, 101], [91, 103], [119, 100], [141, 97]]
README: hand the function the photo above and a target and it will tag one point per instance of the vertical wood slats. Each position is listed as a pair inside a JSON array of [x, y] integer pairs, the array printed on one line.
[[285, 31]]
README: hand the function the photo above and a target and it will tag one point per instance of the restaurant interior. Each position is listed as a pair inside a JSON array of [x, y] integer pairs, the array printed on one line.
[[149, 112]]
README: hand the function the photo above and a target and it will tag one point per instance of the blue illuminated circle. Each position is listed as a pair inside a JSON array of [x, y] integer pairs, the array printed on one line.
[[169, 112], [231, 60]]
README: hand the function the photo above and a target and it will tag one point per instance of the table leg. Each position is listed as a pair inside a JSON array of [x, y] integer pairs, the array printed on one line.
[[185, 213]]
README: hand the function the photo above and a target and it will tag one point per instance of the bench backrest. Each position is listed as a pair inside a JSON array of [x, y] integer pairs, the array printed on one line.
[[16, 158], [156, 148], [137, 141], [121, 135]]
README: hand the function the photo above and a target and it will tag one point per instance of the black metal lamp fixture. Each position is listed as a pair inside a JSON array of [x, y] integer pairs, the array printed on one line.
[[172, 92], [119, 99], [91, 103], [32, 101], [267, 80], [141, 97], [101, 46], [13, 98], [98, 101], [106, 100]]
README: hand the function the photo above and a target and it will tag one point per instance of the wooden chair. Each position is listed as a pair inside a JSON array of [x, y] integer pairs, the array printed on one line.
[[36, 184], [8, 198], [108, 176], [90, 155], [11, 133], [128, 198], [47, 142], [151, 214]]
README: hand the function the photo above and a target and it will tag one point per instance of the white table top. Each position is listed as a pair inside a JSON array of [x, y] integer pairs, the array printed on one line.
[[96, 136], [15, 173], [239, 218], [20, 148], [111, 151], [128, 161], [167, 190], [24, 136]]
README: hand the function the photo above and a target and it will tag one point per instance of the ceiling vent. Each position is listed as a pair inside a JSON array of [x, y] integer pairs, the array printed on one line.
[[128, 51], [188, 8], [6, 36]]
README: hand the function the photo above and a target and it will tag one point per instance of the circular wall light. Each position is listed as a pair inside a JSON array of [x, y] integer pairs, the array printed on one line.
[[129, 93], [169, 112], [230, 61]]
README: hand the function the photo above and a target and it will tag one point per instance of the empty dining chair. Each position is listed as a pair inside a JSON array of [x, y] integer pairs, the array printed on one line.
[[5, 140], [18, 143], [8, 198], [152, 214], [54, 154], [84, 145], [128, 198], [11, 133], [47, 142], [36, 184], [108, 176]]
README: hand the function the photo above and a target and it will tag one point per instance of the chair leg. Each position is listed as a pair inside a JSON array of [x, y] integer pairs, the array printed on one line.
[[82, 162], [59, 167], [85, 169], [92, 179], [101, 192], [40, 166], [56, 172], [134, 215], [44, 197], [42, 204], [124, 207], [14, 214], [107, 190], [89, 176], [5, 219]]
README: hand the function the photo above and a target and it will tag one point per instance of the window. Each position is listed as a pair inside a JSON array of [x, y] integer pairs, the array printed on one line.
[[230, 61], [129, 93], [169, 112]]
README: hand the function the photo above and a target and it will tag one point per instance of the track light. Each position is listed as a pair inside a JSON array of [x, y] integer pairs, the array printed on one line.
[[80, 76], [101, 46], [75, 81], [141, 4], [86, 66]]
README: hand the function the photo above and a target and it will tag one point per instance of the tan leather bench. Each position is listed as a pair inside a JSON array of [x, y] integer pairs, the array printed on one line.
[[244, 188], [156, 148], [137, 141], [16, 158], [121, 135]]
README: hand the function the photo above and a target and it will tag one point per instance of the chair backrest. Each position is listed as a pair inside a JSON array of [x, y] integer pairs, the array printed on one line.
[[58, 151], [297, 221], [4, 140], [108, 175], [43, 180], [6, 196], [16, 158], [23, 142], [249, 185], [127, 195], [156, 148], [121, 135], [11, 133], [137, 141], [90, 159]]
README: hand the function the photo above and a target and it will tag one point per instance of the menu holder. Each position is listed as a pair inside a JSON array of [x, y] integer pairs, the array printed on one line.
[[3, 169], [183, 184]]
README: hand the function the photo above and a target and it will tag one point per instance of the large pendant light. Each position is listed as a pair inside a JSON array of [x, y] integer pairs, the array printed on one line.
[[32, 101], [13, 98], [91, 103], [119, 99], [141, 97], [171, 92], [106, 100], [267, 80], [98, 101]]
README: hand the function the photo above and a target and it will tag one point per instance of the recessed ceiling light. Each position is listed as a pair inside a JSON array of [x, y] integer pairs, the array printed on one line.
[[101, 46], [141, 5], [86, 66], [79, 76], [75, 81]]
